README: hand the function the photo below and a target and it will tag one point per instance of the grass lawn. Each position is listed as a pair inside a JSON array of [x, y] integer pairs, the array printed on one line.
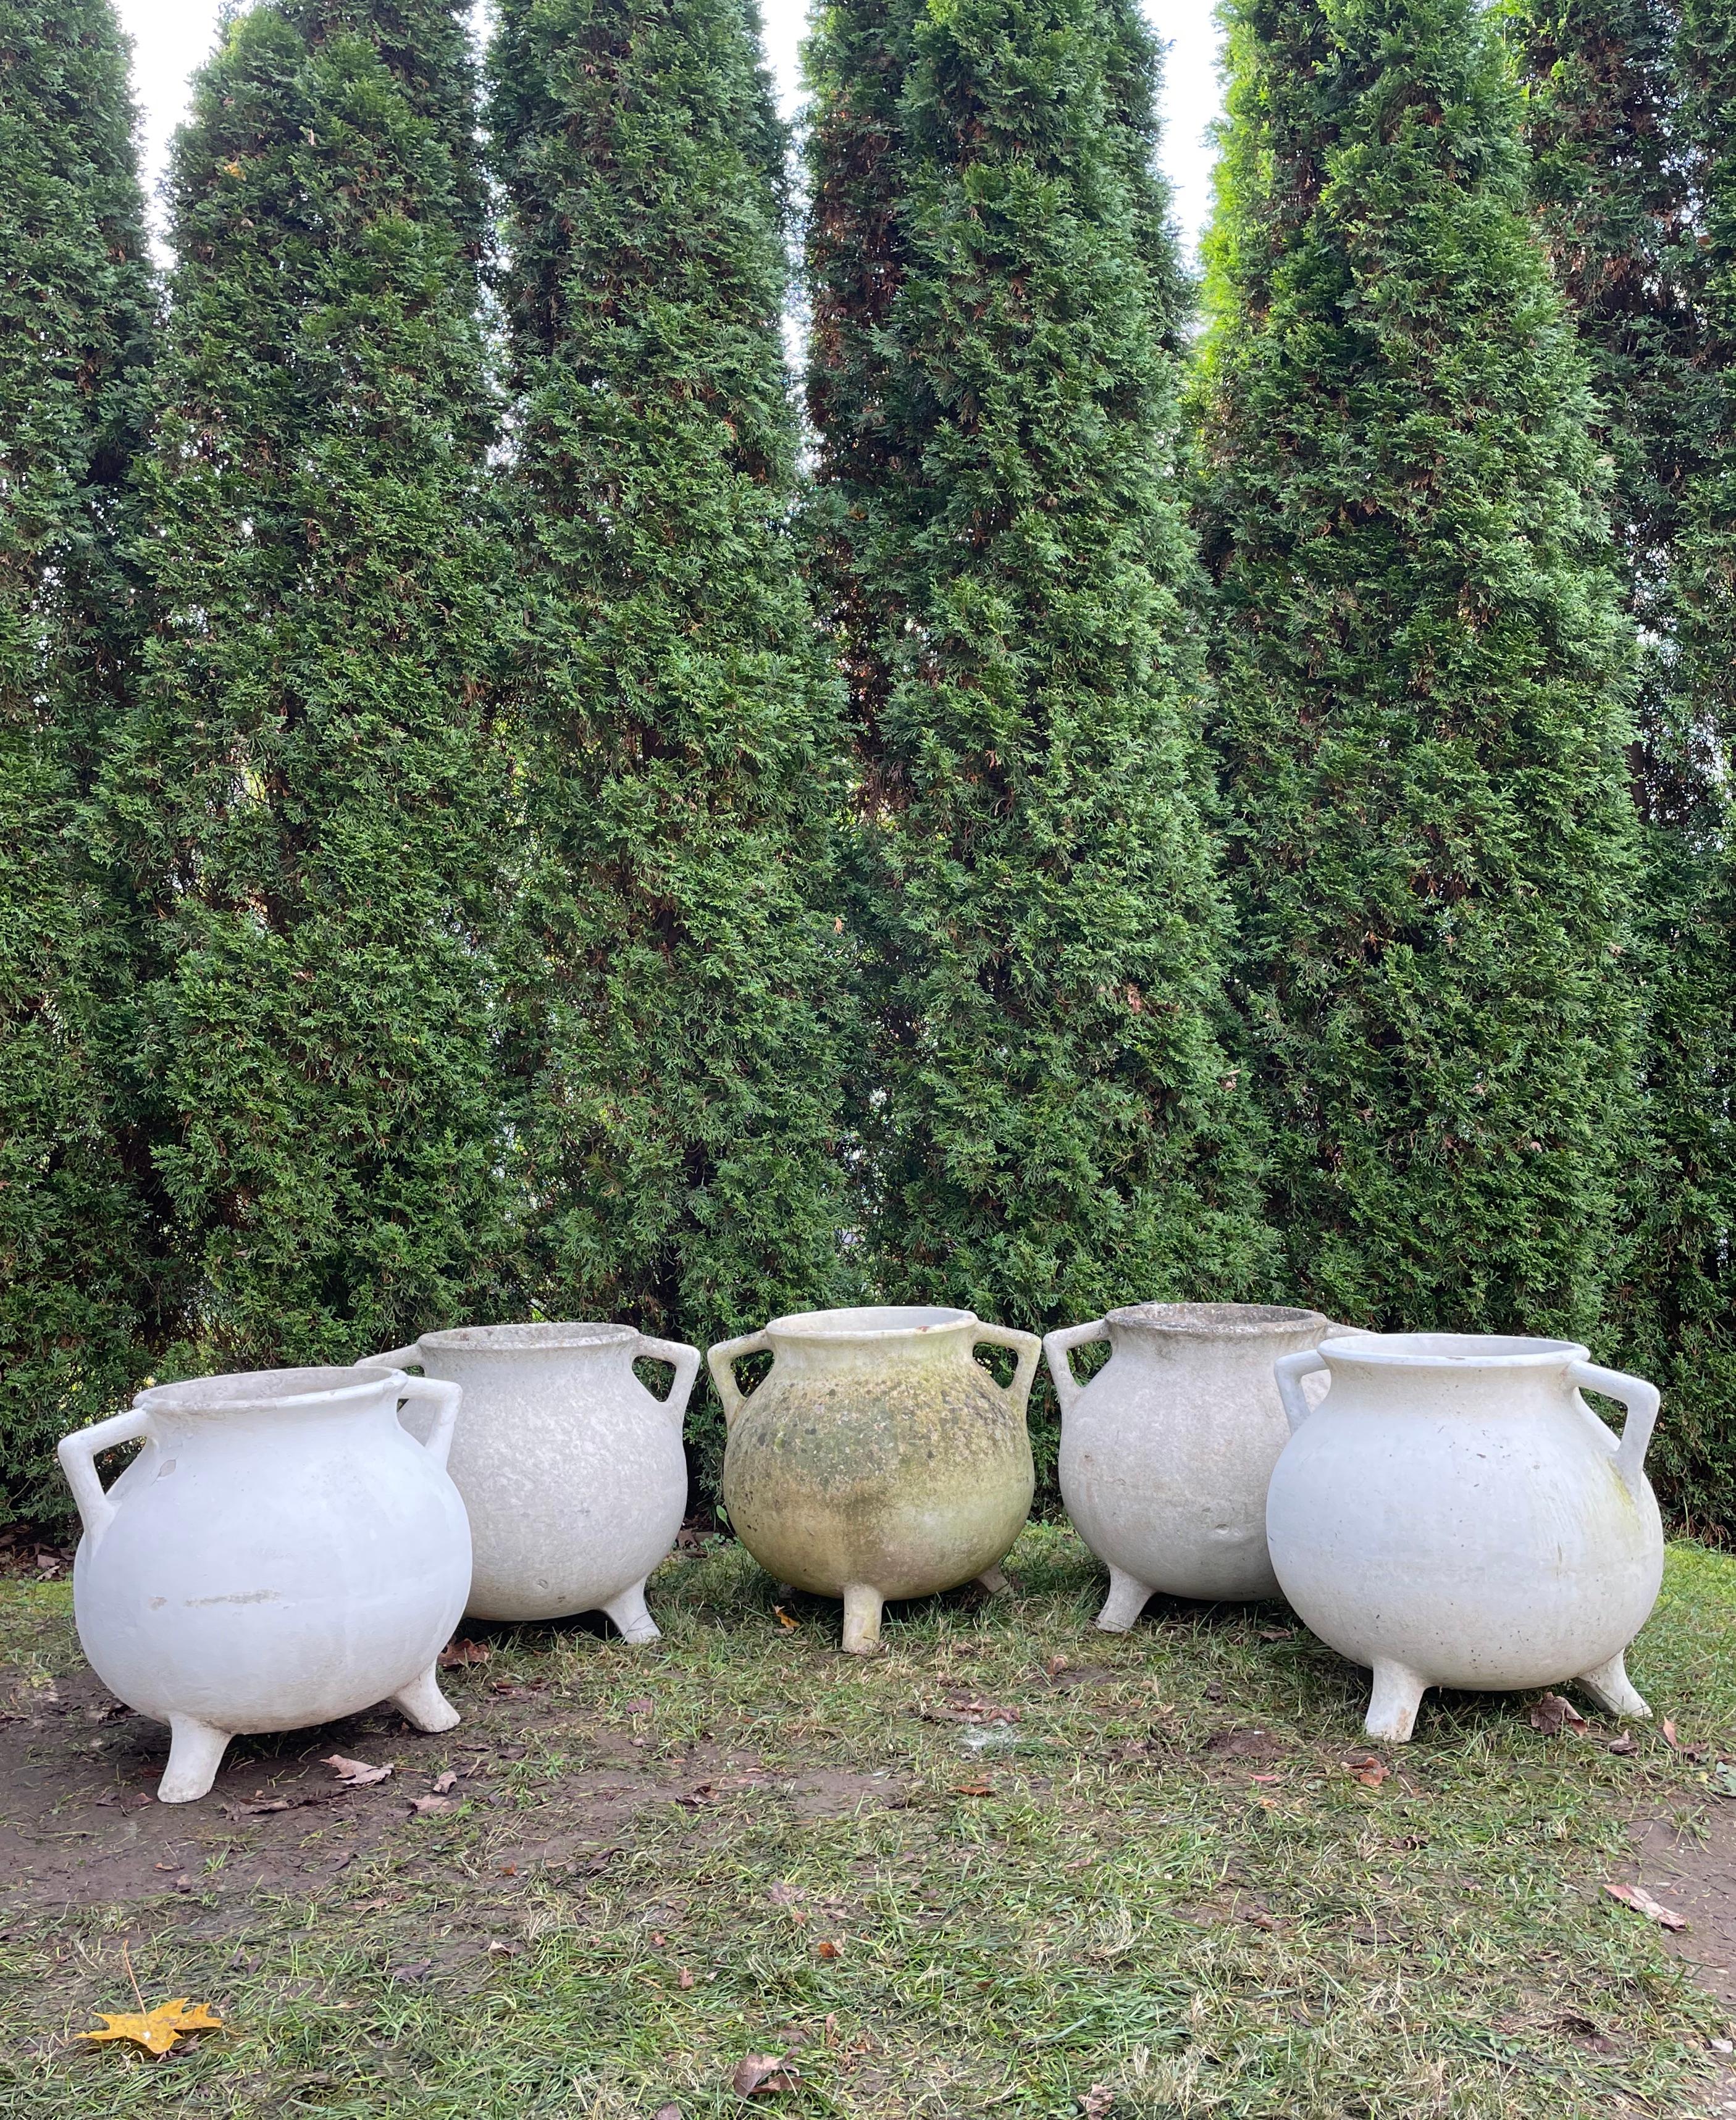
[[1159, 1877]]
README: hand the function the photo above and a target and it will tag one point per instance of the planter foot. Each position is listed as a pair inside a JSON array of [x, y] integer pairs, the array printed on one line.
[[1126, 1602], [629, 1613], [1392, 1711], [424, 1706], [862, 1609], [195, 1753], [994, 1580], [1611, 1687]]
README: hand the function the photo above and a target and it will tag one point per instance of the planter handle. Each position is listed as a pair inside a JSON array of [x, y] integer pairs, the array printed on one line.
[[447, 1397], [721, 1360], [1290, 1369], [1056, 1346], [1642, 1400], [1025, 1346], [77, 1455], [684, 1361], [399, 1358]]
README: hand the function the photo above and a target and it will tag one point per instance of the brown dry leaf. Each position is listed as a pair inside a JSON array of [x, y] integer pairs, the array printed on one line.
[[497, 1949], [763, 2075], [1367, 1770], [1096, 2102], [783, 1619], [1056, 1666], [1642, 1903], [643, 1706], [826, 1949], [443, 1783], [782, 1895], [460, 1650], [431, 1806], [157, 2030], [971, 1788], [1552, 1714], [684, 1977], [1278, 1633], [1626, 1742], [667, 2112], [355, 1773]]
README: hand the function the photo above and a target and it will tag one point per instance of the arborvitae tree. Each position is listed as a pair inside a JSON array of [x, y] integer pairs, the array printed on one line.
[[679, 1021], [1622, 144], [1050, 1124], [1422, 671], [310, 796], [77, 1231]]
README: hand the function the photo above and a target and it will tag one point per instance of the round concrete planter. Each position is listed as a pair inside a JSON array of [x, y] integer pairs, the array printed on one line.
[[1166, 1453], [1452, 1513], [280, 1553], [879, 1458], [573, 1474]]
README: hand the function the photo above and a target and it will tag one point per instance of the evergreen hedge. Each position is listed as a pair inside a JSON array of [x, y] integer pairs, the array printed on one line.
[[81, 1266], [1049, 1123], [678, 1005], [1623, 141], [1422, 676], [308, 795]]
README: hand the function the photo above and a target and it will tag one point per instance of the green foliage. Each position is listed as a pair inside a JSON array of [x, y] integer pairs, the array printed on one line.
[[1623, 145], [1423, 672], [78, 1240], [309, 793], [677, 1013], [1049, 1123]]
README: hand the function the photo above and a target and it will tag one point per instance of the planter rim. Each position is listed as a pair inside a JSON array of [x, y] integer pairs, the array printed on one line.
[[249, 1391], [888, 1321], [1217, 1320], [540, 1338], [1453, 1350]]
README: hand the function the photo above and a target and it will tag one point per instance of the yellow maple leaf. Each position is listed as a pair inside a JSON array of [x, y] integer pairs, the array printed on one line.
[[157, 2030]]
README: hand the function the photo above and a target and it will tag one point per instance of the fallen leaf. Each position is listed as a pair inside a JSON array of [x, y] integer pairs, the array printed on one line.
[[657, 1939], [444, 1781], [355, 1773], [1367, 1770], [1096, 2102], [667, 2112], [1625, 1743], [783, 1621], [782, 1895], [971, 1788], [1669, 1728], [1265, 1780], [460, 1650], [157, 2030], [1642, 1903], [430, 1807], [1278, 1633], [1552, 1714], [757, 2074], [684, 1977], [1056, 1666], [639, 1707], [497, 1949], [827, 1950]]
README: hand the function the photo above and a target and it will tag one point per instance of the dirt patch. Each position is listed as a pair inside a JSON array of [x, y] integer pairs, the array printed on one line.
[[1243, 1745], [80, 1825], [1696, 1877]]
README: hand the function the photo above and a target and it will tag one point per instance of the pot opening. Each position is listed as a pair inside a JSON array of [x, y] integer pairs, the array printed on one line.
[[244, 1390], [1215, 1320], [526, 1339], [871, 1321], [1446, 1350]]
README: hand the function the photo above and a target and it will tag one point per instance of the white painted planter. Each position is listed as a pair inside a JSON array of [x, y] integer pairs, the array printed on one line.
[[878, 1459], [1166, 1453], [573, 1474], [280, 1553], [1453, 1514]]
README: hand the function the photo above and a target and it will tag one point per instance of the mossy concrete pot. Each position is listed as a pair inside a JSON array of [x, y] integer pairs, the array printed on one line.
[[1452, 1513], [1166, 1453], [877, 1458], [574, 1473], [280, 1553]]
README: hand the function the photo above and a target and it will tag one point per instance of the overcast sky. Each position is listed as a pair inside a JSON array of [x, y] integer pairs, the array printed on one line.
[[171, 37]]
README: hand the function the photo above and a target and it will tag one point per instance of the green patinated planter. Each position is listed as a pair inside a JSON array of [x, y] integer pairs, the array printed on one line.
[[879, 1458]]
